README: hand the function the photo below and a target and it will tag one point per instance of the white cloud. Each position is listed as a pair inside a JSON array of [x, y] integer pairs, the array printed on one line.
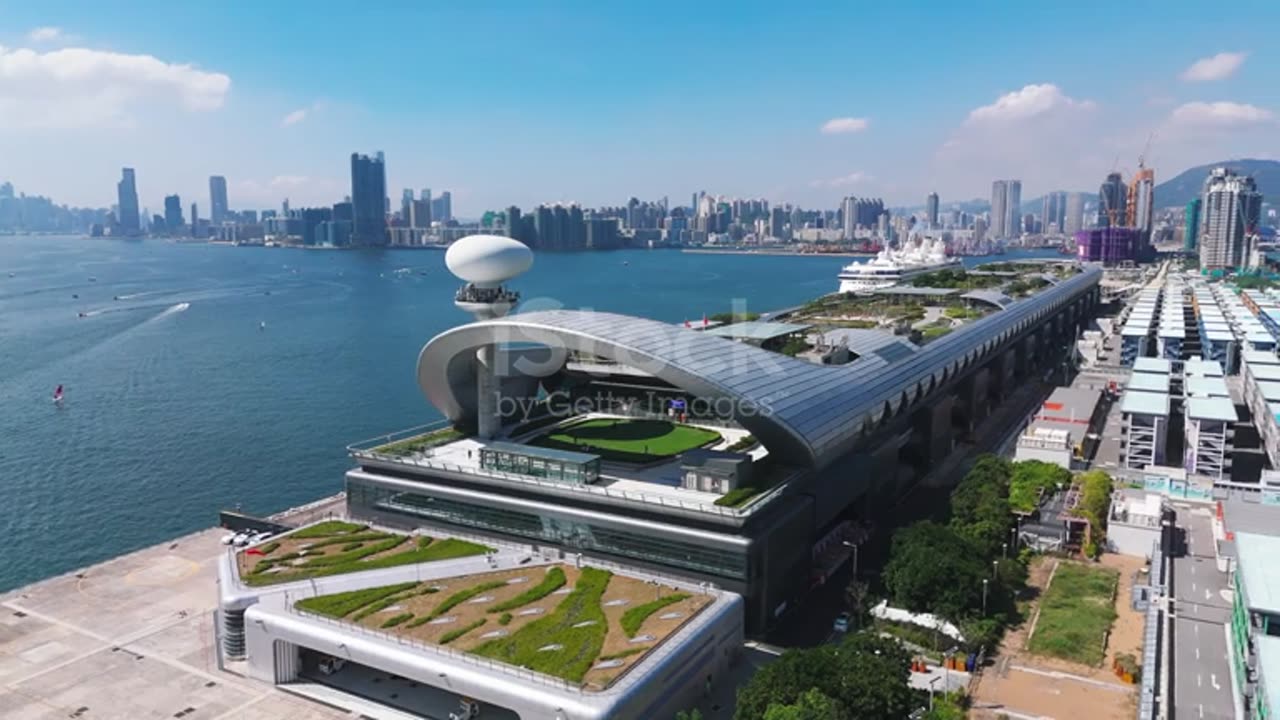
[[853, 178], [80, 87], [301, 114], [1218, 115], [1218, 67], [1029, 102], [843, 125], [294, 117], [45, 34]]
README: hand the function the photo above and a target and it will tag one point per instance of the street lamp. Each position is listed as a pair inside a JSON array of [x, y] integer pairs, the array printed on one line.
[[995, 569], [984, 597], [1004, 550], [848, 544], [931, 682]]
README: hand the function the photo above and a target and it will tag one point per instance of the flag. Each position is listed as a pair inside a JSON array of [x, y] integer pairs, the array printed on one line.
[[253, 551], [704, 319], [686, 323]]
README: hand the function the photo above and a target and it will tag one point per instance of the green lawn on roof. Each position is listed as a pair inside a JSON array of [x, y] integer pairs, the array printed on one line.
[[628, 440], [1075, 614]]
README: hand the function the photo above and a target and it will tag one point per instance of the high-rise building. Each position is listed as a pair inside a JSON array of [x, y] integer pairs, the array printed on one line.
[[420, 213], [602, 233], [1073, 216], [1053, 212], [1191, 225], [406, 206], [173, 213], [1231, 208], [1139, 203], [931, 209], [999, 197], [445, 211], [778, 222], [195, 221], [369, 199], [127, 200], [850, 212], [1013, 209], [217, 199], [1111, 201], [514, 224], [979, 230]]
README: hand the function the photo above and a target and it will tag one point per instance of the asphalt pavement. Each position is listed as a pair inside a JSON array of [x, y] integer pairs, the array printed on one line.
[[1201, 672]]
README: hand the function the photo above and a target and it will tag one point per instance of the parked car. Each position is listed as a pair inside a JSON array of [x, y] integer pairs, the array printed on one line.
[[260, 537], [841, 624], [241, 539], [228, 538], [330, 665]]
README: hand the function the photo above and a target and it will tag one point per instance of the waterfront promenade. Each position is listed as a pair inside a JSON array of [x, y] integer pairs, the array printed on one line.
[[133, 638]]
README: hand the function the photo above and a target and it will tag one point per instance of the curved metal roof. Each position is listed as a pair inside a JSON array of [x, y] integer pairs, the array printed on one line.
[[810, 414]]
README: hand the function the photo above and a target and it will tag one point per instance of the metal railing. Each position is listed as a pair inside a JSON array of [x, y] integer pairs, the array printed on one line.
[[662, 648], [441, 650], [427, 461]]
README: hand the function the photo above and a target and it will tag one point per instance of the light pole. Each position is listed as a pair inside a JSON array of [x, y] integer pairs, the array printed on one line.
[[995, 569], [1004, 551], [984, 597], [848, 544], [931, 682]]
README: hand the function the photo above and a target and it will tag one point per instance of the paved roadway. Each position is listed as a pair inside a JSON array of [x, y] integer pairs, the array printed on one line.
[[1201, 674]]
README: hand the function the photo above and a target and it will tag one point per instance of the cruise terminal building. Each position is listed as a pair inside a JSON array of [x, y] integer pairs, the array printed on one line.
[[819, 447]]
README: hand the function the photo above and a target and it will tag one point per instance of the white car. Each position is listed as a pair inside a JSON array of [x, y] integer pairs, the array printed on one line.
[[241, 539], [260, 537], [228, 538]]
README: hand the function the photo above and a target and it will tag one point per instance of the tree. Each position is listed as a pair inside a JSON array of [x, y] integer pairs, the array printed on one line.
[[855, 598], [1030, 479], [694, 714], [933, 569], [865, 677], [812, 705], [980, 505]]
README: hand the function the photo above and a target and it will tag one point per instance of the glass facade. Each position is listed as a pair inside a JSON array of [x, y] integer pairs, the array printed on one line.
[[545, 466], [563, 531]]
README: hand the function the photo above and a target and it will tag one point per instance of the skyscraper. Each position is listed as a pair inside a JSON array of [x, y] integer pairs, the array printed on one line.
[[1073, 217], [442, 207], [173, 213], [1191, 225], [369, 199], [1013, 209], [1230, 212], [931, 209], [217, 199], [1052, 212], [1111, 201], [999, 196], [850, 211], [195, 221], [127, 199], [406, 206], [1139, 202]]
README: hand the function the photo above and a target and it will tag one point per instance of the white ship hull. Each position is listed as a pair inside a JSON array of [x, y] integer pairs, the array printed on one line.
[[852, 281], [891, 267]]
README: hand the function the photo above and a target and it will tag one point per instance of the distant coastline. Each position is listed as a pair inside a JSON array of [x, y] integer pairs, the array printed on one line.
[[776, 251]]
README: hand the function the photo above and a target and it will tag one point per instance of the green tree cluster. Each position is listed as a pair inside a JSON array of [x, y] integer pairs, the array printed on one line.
[[934, 569], [864, 676], [1095, 501], [1031, 479]]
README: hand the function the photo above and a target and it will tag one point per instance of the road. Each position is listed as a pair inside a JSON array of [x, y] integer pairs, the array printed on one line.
[[1201, 674]]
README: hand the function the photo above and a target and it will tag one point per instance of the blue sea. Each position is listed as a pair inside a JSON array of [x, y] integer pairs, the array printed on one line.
[[203, 377]]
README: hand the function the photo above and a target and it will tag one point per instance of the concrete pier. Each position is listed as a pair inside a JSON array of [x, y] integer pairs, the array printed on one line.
[[132, 638]]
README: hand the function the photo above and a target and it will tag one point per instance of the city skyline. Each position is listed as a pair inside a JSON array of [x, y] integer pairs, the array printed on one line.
[[507, 124]]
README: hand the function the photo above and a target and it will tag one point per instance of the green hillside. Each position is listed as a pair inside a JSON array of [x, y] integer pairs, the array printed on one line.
[[1179, 190]]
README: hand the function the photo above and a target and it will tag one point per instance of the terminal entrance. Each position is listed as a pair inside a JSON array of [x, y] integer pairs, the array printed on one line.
[[374, 693]]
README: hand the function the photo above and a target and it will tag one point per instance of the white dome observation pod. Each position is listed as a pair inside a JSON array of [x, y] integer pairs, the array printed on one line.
[[485, 262]]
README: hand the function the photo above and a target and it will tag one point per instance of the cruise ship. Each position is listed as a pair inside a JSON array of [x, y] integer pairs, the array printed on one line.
[[892, 267]]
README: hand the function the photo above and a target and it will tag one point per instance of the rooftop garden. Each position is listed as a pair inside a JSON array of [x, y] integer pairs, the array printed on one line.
[[627, 440], [957, 280], [419, 443], [1055, 268], [586, 626], [336, 548]]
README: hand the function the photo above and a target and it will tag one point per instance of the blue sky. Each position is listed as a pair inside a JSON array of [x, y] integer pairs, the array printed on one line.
[[519, 102]]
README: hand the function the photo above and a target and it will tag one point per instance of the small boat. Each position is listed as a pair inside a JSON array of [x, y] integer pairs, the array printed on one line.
[[626, 262], [262, 325], [57, 396], [75, 296], [117, 297], [93, 279], [11, 274], [82, 315]]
